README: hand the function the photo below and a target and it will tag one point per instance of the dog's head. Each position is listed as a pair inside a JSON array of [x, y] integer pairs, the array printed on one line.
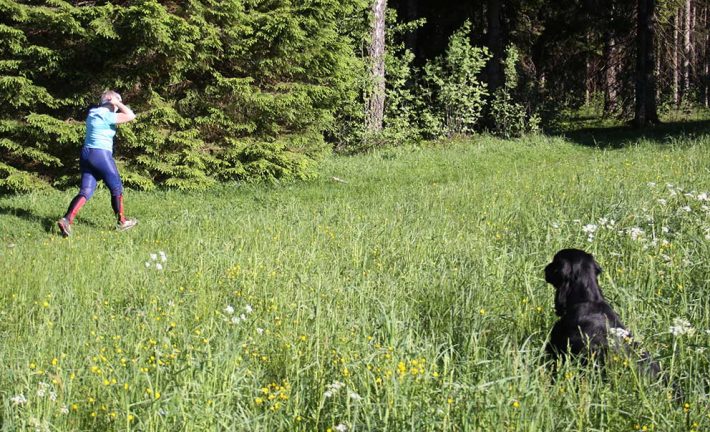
[[573, 273]]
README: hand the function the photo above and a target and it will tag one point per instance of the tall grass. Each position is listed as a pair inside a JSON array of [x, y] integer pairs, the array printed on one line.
[[401, 291]]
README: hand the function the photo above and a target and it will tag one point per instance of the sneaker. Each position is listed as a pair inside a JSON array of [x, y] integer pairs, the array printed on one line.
[[126, 225], [64, 227]]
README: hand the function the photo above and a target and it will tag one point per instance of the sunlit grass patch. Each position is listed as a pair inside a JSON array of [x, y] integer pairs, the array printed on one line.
[[407, 295]]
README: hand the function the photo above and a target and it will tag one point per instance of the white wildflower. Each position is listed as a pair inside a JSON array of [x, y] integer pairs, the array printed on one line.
[[19, 399], [703, 197], [354, 396], [42, 390], [555, 225], [635, 233], [341, 428], [154, 257], [590, 228], [665, 230], [705, 208], [619, 332], [260, 330], [53, 396], [332, 389], [229, 310], [686, 209], [64, 409], [235, 320], [147, 264], [243, 317], [158, 266], [662, 201], [651, 184], [248, 308], [163, 257], [681, 327]]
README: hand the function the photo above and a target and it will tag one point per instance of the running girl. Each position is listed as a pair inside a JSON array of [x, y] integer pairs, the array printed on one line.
[[97, 162]]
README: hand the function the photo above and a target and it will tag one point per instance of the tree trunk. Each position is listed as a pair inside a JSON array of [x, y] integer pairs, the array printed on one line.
[[411, 15], [610, 73], [376, 102], [495, 44], [646, 112], [587, 74], [676, 72], [686, 50], [706, 75]]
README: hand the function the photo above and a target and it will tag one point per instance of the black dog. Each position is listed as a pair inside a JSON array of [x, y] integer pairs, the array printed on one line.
[[587, 325]]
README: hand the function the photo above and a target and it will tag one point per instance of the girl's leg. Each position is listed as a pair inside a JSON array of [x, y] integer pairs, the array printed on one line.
[[88, 186], [112, 179]]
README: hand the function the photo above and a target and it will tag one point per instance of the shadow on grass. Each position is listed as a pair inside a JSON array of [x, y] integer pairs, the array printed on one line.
[[47, 223], [622, 136]]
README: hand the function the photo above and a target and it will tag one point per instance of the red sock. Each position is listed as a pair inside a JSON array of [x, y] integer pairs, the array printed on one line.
[[76, 204], [117, 204]]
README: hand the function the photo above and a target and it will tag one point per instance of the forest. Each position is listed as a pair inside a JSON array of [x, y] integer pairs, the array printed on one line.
[[253, 89]]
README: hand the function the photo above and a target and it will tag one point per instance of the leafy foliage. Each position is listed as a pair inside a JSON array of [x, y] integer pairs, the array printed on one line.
[[227, 90], [453, 85], [510, 118]]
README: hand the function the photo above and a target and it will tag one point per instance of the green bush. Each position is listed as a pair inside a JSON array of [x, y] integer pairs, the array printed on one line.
[[452, 90], [510, 119], [227, 90]]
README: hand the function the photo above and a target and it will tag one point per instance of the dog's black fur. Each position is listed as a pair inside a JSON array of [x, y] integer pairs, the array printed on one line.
[[585, 317]]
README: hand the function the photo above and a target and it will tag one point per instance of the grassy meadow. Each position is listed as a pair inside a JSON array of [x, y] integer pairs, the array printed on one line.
[[400, 291]]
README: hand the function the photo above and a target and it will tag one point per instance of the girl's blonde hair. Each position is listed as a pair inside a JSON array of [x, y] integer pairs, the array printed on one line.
[[107, 95]]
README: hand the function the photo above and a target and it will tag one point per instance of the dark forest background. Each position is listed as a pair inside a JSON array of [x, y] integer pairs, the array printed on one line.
[[253, 89]]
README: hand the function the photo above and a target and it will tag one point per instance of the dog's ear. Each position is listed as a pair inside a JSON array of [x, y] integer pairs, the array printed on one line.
[[561, 294], [583, 280]]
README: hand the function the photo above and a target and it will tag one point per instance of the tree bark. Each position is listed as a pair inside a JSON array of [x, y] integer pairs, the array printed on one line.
[[686, 50], [610, 73], [495, 44], [706, 75], [376, 102], [411, 15], [676, 72], [646, 111]]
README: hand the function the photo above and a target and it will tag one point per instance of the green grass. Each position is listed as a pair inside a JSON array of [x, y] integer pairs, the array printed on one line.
[[408, 296]]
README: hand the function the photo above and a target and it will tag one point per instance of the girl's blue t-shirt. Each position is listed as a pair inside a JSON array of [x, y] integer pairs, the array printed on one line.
[[100, 129]]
